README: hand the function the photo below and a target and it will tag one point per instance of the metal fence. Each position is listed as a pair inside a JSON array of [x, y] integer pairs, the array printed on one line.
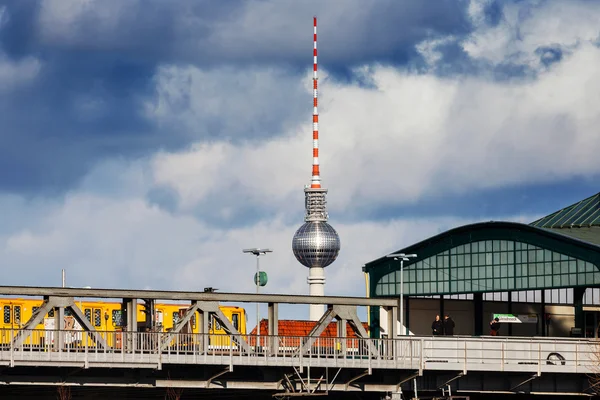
[[153, 349]]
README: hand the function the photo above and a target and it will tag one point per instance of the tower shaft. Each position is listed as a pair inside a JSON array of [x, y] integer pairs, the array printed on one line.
[[316, 287]]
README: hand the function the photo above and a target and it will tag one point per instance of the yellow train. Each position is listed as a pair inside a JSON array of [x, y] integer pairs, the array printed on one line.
[[108, 318]]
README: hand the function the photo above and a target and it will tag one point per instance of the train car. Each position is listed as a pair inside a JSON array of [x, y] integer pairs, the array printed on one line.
[[108, 319]]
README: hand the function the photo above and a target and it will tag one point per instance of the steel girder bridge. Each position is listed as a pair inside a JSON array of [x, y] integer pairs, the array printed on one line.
[[284, 365]]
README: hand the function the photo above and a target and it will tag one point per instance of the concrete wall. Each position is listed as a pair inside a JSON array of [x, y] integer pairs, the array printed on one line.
[[423, 311]]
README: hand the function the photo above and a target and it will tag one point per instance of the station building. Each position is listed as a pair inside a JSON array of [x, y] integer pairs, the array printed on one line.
[[540, 279]]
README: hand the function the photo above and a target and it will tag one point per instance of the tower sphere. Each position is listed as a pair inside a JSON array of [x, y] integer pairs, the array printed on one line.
[[316, 244]]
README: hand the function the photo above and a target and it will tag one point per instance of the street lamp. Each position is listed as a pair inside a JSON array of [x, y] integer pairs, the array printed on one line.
[[257, 280], [402, 257]]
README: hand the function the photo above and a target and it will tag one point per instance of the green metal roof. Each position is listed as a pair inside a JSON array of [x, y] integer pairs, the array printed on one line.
[[585, 213], [569, 249]]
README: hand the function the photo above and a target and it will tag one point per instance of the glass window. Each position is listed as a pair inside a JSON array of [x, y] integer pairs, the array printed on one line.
[[539, 269], [496, 258], [496, 245], [539, 255], [7, 314], [88, 314], [97, 317], [117, 317], [235, 320], [17, 314]]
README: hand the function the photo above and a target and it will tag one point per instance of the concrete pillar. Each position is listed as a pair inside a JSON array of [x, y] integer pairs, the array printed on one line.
[[273, 325], [578, 293], [478, 313]]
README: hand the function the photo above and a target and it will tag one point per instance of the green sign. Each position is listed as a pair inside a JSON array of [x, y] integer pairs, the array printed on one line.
[[517, 318], [262, 278]]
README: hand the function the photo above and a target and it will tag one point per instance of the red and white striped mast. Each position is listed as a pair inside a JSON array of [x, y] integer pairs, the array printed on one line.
[[316, 177]]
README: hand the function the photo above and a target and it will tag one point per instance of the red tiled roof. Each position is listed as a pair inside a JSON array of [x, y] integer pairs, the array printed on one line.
[[303, 328]]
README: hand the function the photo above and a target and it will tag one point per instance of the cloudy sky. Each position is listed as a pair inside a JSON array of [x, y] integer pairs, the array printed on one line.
[[144, 143]]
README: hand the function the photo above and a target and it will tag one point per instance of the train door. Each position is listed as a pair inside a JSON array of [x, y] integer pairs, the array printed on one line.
[[94, 316], [236, 320], [12, 314]]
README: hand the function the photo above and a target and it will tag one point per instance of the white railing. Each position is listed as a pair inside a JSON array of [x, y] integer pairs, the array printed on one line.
[[537, 355]]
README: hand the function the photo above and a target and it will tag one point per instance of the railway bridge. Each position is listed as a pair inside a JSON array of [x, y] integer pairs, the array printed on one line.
[[277, 364]]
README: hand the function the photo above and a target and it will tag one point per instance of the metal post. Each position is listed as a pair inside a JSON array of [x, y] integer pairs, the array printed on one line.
[[257, 303], [257, 252], [402, 296], [63, 278], [402, 257]]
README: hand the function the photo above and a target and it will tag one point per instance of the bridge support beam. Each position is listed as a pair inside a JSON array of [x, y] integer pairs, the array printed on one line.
[[206, 309], [131, 324], [345, 314], [273, 315]]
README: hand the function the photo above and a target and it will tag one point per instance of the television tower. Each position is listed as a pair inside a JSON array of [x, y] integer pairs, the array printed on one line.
[[316, 244]]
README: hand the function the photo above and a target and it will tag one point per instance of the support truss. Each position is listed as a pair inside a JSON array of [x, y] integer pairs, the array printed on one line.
[[344, 314], [60, 303], [205, 308]]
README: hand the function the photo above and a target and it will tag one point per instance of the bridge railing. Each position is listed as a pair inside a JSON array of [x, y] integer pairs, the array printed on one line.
[[410, 352]]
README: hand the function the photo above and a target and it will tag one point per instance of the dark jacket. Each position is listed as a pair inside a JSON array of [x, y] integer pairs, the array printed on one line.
[[437, 328], [495, 327], [449, 326]]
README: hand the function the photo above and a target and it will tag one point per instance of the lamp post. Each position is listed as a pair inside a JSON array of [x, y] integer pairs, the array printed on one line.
[[402, 257], [257, 252]]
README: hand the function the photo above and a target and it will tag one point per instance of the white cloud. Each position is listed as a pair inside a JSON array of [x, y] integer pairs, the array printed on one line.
[[413, 136], [526, 26], [14, 73], [124, 242]]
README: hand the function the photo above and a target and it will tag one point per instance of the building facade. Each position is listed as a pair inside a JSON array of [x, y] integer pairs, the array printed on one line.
[[546, 278]]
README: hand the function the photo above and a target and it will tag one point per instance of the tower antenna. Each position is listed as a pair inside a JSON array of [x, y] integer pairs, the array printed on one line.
[[316, 176]]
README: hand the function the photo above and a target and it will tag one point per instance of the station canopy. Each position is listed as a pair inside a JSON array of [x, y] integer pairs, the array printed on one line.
[[493, 257]]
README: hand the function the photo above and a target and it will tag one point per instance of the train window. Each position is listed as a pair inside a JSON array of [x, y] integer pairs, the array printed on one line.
[[194, 321], [68, 312], [117, 317], [235, 319], [97, 317], [216, 324], [88, 314], [7, 314], [175, 317], [34, 310], [51, 313], [17, 314]]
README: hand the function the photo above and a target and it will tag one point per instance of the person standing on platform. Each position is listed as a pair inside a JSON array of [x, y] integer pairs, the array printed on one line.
[[495, 326], [448, 325], [437, 326]]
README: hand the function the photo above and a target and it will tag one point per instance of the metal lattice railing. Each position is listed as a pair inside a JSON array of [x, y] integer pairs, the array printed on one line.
[[45, 347]]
